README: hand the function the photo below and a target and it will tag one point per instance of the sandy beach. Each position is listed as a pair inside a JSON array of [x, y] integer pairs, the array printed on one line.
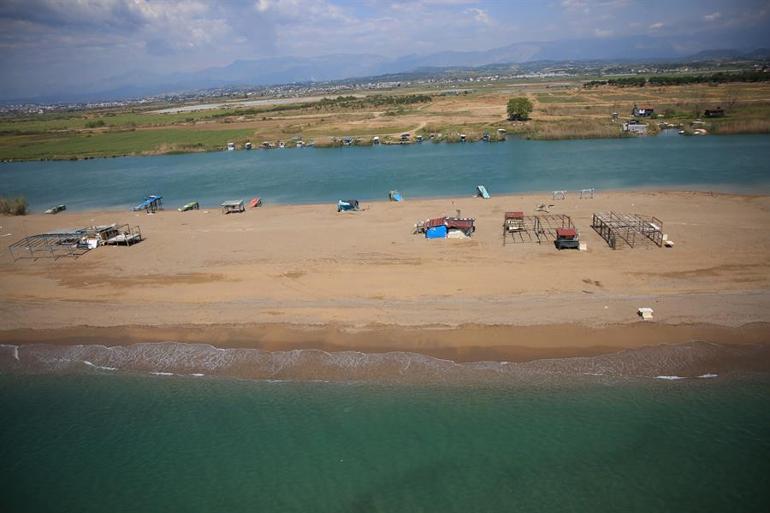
[[291, 277]]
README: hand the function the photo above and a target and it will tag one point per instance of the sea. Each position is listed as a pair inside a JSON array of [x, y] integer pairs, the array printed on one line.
[[197, 428], [739, 163], [180, 427]]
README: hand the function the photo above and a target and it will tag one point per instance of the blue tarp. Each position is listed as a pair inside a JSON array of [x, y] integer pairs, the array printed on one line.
[[437, 232], [149, 200]]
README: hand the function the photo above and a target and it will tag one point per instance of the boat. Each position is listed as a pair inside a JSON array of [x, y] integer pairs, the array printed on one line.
[[255, 202], [193, 205], [56, 209], [394, 196], [347, 205], [481, 192]]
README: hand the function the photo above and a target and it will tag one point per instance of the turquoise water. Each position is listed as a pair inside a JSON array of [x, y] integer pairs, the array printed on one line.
[[309, 175], [129, 443]]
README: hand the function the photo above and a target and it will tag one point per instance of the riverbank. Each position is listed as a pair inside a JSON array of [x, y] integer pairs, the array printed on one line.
[[305, 276], [564, 110]]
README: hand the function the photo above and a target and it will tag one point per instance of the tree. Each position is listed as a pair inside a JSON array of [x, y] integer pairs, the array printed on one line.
[[519, 108]]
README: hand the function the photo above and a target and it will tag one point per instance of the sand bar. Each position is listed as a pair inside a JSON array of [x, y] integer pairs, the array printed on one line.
[[306, 276]]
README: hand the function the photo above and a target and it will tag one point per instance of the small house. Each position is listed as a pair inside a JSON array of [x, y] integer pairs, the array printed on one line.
[[405, 137], [642, 112], [247, 146], [233, 206], [375, 140], [634, 127]]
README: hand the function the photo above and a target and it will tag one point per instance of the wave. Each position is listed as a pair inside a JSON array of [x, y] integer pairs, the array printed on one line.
[[665, 362]]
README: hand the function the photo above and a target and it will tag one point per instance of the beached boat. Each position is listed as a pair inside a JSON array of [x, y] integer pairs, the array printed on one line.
[[255, 202], [56, 209], [394, 196], [193, 205], [347, 205]]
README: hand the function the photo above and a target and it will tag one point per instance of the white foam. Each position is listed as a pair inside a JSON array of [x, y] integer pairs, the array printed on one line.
[[162, 373], [197, 375], [100, 367], [670, 378], [15, 350], [708, 376]]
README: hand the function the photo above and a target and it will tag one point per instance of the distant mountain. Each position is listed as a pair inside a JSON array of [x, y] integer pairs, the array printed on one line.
[[285, 70]]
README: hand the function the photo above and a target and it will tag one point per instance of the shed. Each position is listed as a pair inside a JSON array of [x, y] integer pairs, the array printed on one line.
[[232, 206]]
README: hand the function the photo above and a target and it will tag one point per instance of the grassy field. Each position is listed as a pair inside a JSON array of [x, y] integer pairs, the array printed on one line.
[[562, 110]]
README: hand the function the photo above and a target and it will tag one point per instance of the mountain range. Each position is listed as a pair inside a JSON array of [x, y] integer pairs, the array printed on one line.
[[286, 70]]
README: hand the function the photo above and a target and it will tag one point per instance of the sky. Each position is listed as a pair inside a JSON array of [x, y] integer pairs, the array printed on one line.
[[45, 43]]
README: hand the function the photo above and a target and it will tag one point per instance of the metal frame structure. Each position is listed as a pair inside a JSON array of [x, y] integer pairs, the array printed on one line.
[[633, 229], [50, 245], [539, 229], [73, 242]]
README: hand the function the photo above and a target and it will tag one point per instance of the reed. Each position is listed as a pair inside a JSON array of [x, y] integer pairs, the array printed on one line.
[[13, 206]]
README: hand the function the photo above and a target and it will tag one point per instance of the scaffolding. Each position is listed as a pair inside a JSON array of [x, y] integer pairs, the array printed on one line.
[[533, 229], [74, 242], [632, 229]]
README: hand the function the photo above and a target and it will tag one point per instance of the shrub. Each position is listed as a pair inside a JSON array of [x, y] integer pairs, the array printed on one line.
[[13, 206]]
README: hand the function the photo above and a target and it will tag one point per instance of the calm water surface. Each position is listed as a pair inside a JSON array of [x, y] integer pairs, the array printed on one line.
[[309, 175], [123, 443]]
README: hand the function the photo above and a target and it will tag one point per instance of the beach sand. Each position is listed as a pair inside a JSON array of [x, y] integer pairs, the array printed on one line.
[[305, 276]]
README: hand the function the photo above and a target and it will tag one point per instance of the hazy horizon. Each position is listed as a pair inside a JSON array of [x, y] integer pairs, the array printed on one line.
[[55, 47]]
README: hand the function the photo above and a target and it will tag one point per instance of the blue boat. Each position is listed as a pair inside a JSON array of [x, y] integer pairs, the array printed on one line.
[[481, 191], [394, 196]]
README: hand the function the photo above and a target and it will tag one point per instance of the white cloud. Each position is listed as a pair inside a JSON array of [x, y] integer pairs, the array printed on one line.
[[657, 25], [480, 15], [603, 32], [714, 16]]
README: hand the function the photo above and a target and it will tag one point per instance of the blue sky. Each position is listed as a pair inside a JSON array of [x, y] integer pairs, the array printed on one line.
[[45, 42]]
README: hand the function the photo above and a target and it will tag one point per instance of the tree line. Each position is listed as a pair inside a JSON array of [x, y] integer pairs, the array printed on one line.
[[661, 80]]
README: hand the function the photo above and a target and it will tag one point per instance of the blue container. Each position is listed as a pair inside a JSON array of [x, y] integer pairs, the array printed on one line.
[[437, 232]]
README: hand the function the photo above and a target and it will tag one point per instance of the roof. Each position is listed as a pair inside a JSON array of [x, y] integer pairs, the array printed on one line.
[[514, 215], [566, 232], [436, 221], [462, 224]]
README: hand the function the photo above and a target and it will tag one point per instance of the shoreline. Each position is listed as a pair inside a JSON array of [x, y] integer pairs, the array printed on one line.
[[461, 344]]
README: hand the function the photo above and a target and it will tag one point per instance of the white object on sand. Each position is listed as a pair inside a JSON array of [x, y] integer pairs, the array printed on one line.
[[645, 313], [668, 243]]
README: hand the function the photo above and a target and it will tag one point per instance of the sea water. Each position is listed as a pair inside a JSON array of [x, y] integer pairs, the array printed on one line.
[[97, 443], [738, 163]]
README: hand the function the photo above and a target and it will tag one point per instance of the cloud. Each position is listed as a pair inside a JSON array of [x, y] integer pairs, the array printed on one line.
[[714, 16], [603, 32], [479, 15], [657, 25]]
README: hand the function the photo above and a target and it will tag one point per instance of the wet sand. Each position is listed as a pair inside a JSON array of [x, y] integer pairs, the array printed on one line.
[[301, 277]]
